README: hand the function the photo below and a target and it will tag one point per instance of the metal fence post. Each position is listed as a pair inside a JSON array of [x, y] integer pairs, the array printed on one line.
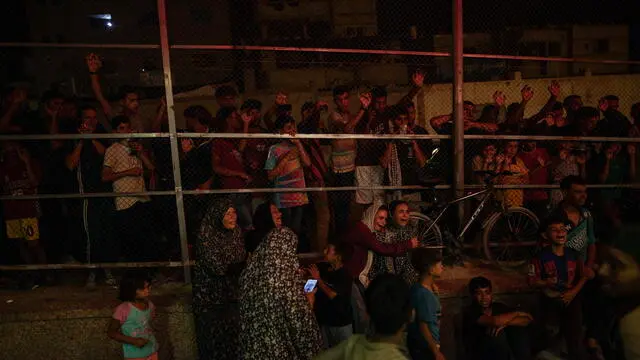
[[175, 159], [458, 106]]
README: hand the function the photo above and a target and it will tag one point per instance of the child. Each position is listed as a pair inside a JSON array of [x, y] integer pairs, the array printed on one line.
[[333, 299], [131, 322], [559, 272], [424, 332], [484, 162], [20, 176], [510, 161], [284, 167]]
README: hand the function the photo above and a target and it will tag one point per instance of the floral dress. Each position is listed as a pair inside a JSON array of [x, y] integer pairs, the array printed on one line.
[[220, 258], [400, 265], [276, 319]]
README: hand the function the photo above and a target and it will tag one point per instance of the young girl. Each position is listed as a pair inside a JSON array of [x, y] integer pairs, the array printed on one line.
[[424, 331], [131, 322]]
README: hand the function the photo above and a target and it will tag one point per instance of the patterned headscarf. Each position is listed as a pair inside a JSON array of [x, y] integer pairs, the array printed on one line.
[[216, 249], [276, 319], [369, 218], [396, 234]]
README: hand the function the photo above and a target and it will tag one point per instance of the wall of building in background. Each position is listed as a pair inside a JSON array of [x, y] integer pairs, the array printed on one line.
[[598, 42]]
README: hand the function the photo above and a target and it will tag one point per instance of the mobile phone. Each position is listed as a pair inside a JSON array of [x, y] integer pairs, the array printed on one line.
[[310, 285]]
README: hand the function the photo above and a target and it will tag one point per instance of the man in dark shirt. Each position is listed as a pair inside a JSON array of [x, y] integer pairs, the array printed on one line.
[[91, 217], [492, 330], [333, 298], [405, 155]]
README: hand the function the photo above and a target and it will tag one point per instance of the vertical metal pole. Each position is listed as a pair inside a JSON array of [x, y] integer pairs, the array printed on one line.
[[175, 159], [458, 106]]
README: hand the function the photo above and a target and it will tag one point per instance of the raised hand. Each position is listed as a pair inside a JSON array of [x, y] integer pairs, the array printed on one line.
[[314, 272], [554, 88], [631, 149], [417, 79], [186, 144], [550, 120], [499, 98], [365, 100], [93, 62], [527, 93]]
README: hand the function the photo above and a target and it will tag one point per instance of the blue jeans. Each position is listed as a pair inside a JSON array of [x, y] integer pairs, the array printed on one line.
[[334, 335]]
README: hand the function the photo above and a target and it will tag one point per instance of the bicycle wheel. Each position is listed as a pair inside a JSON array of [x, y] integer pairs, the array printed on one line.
[[429, 236], [510, 238]]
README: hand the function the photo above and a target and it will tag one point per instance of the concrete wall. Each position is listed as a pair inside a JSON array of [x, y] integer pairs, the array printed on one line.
[[77, 334]]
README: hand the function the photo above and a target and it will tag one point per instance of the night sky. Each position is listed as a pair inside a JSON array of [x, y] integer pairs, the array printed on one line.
[[394, 20]]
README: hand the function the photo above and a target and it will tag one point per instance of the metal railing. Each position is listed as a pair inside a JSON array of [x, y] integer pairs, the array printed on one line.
[[458, 164]]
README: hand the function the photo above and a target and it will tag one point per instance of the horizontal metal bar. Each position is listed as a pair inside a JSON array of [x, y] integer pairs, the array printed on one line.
[[314, 189], [310, 49], [309, 136], [397, 52], [88, 195], [120, 265], [84, 136], [218, 136], [550, 59], [316, 49], [308, 189], [555, 186], [552, 138], [77, 45], [315, 136], [216, 192]]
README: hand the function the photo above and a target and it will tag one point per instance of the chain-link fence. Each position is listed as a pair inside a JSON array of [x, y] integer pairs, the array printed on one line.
[[369, 100]]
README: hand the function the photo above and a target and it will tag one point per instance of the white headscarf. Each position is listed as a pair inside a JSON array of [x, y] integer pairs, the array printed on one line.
[[369, 218]]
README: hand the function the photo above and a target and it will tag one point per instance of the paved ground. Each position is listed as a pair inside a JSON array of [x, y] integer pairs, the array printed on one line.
[[72, 294]]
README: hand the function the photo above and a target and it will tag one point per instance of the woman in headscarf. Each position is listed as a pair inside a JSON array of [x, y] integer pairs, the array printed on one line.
[[400, 230], [220, 259], [265, 218], [367, 238], [277, 320], [368, 247]]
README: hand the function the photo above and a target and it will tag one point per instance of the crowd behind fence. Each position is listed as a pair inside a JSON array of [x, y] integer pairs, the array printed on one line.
[[125, 185]]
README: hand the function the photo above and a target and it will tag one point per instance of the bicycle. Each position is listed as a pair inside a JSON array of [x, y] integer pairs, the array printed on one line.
[[509, 235]]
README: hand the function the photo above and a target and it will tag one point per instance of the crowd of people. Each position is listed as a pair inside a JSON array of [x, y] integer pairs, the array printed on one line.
[[247, 275], [375, 295]]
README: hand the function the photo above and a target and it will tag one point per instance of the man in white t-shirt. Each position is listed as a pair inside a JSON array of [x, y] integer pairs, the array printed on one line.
[[124, 164]]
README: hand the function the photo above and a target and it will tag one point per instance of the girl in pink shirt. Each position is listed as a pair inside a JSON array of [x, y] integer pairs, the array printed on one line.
[[131, 322]]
